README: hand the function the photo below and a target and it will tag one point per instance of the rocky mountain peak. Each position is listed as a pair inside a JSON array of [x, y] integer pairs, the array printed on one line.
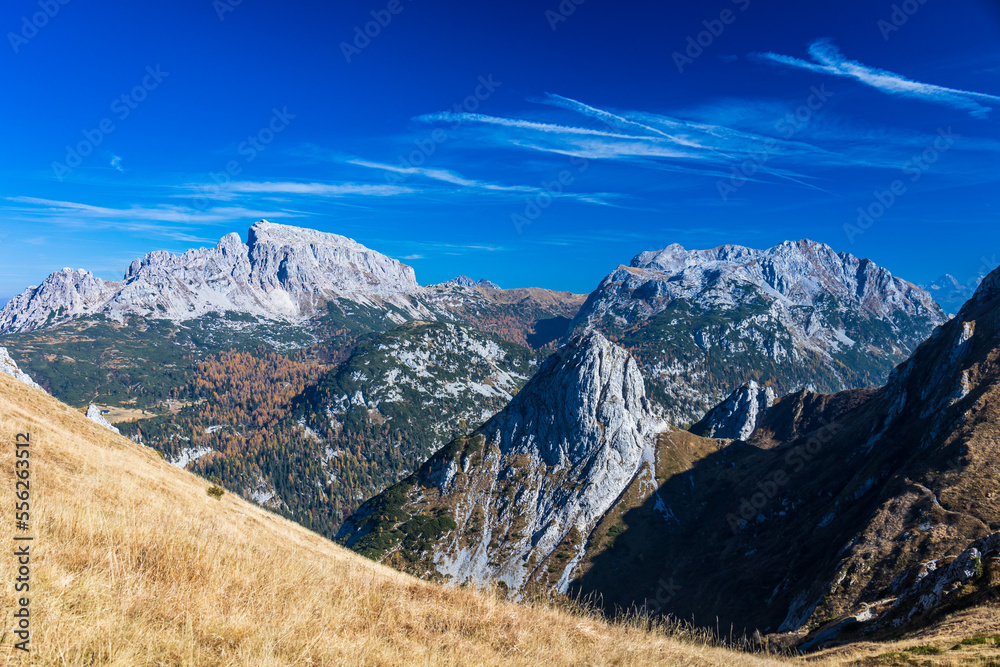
[[795, 270], [737, 417], [588, 397], [283, 272], [536, 478], [813, 316], [307, 263], [268, 233]]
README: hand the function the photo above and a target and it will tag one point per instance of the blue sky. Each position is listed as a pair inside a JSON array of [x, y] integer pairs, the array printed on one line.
[[532, 143]]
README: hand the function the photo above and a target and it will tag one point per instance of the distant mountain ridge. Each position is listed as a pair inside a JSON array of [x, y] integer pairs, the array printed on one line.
[[795, 315], [466, 281], [951, 293], [306, 284], [282, 272]]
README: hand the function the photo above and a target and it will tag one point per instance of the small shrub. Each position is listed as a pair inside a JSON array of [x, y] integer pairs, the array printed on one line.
[[215, 491], [980, 639], [925, 650]]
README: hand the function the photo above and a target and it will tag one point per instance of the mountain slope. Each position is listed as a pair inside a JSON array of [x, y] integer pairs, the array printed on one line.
[[133, 564], [128, 343], [844, 505], [532, 316], [823, 523], [312, 443], [703, 322], [498, 505]]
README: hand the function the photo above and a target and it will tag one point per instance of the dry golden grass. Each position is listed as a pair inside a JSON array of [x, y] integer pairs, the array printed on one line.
[[134, 564]]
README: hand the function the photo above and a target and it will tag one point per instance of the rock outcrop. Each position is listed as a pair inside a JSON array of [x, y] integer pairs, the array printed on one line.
[[9, 367], [737, 417], [533, 480], [94, 415]]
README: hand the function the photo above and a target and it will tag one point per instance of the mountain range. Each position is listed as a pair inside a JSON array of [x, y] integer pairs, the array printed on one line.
[[281, 273], [854, 516], [792, 440], [151, 345], [799, 314], [701, 322], [951, 293]]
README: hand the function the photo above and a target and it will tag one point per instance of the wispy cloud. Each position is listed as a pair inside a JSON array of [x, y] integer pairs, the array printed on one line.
[[307, 189], [827, 59], [116, 162], [646, 139], [179, 214], [175, 222], [754, 140], [423, 249], [486, 187], [443, 175]]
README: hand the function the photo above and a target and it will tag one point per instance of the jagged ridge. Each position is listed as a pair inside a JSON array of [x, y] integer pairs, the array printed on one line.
[[282, 272], [796, 315]]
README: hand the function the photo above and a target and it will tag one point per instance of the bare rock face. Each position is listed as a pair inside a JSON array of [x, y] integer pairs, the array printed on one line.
[[737, 417], [801, 272], [285, 273], [935, 583], [9, 367], [538, 475], [94, 415], [584, 420], [307, 263], [63, 295]]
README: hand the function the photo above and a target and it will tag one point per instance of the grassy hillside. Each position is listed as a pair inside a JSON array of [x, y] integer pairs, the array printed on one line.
[[133, 563]]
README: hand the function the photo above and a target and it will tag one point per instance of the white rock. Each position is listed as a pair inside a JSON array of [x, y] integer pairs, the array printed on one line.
[[737, 417], [94, 415], [9, 366]]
